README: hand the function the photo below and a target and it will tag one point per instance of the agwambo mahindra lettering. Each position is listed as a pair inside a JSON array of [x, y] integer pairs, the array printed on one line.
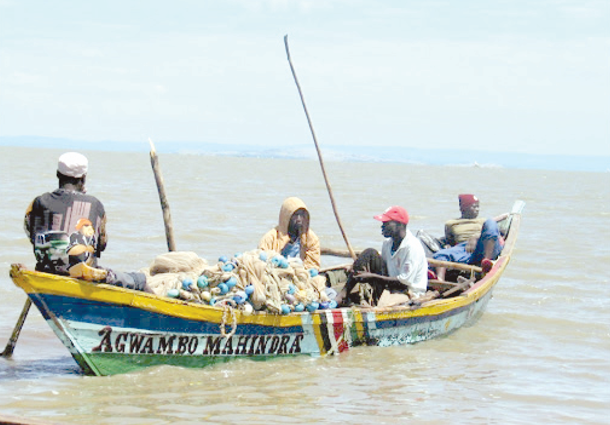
[[208, 345]]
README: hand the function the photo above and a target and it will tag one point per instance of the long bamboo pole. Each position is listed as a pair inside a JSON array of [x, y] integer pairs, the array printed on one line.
[[167, 217], [315, 141]]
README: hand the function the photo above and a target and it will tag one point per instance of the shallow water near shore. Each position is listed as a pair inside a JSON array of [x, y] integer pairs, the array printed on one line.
[[540, 353]]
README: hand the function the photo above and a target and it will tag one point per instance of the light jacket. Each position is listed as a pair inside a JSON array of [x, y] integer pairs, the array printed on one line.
[[276, 238]]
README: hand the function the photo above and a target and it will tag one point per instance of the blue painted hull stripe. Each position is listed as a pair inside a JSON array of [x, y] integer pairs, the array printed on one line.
[[409, 321], [113, 315], [108, 314]]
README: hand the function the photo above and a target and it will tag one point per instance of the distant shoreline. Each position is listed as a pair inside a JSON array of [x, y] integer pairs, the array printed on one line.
[[406, 155]]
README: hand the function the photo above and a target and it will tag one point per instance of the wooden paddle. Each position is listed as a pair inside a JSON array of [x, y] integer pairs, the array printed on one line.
[[10, 346], [167, 217], [315, 141]]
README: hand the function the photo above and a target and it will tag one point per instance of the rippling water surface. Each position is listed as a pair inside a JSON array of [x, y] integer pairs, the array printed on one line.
[[539, 354]]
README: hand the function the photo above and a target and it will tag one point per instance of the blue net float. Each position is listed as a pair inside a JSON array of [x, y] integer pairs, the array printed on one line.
[[228, 267], [186, 284], [202, 281], [240, 297], [231, 282], [313, 306]]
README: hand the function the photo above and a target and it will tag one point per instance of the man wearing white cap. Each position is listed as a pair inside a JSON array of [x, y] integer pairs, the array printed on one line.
[[67, 228], [401, 267], [52, 218]]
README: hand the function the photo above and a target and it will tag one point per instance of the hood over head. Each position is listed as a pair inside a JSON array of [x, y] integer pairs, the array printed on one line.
[[289, 206]]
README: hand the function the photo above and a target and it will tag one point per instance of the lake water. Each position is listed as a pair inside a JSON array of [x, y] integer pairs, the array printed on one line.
[[539, 354]]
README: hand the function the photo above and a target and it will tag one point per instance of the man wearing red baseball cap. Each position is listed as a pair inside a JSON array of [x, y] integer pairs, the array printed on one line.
[[401, 266]]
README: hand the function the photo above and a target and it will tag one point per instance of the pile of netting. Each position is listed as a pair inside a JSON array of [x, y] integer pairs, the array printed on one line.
[[255, 280]]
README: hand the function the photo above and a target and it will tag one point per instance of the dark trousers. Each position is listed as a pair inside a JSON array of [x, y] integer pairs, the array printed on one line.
[[128, 280]]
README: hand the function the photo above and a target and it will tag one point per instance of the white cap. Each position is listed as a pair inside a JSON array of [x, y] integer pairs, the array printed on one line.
[[73, 164]]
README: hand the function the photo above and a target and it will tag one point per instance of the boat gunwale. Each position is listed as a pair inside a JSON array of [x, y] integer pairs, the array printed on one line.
[[23, 277]]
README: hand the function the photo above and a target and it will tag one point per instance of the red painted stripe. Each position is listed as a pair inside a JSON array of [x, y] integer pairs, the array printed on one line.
[[338, 327]]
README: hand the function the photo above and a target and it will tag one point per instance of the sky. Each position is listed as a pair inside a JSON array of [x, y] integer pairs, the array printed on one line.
[[522, 76]]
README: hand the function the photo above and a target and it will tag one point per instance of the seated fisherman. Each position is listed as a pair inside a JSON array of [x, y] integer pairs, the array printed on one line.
[[67, 229], [402, 265], [292, 237], [468, 225], [470, 239]]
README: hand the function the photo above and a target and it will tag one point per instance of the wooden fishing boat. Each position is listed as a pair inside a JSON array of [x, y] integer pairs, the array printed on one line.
[[110, 330]]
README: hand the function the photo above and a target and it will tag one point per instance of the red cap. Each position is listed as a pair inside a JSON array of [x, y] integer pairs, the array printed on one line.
[[466, 200], [395, 213]]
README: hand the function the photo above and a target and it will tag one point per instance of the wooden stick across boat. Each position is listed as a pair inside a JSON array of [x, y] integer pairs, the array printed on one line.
[[431, 261]]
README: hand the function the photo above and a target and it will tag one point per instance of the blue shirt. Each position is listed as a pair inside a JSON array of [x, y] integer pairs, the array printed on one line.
[[292, 249]]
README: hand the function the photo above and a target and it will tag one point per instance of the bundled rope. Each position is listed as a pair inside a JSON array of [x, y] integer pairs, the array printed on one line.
[[255, 280], [227, 310]]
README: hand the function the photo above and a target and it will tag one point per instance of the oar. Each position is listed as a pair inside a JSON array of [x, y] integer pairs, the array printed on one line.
[[10, 346], [167, 217], [315, 141]]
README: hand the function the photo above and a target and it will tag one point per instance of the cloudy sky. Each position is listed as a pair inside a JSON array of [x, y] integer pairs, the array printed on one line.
[[521, 76]]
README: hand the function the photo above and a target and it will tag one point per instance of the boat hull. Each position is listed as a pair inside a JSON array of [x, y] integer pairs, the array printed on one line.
[[110, 330]]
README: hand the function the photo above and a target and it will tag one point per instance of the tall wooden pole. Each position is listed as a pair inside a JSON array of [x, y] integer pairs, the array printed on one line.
[[167, 217], [315, 141]]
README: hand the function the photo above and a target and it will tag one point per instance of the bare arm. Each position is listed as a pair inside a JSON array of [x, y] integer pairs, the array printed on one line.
[[501, 217], [101, 245], [26, 221], [449, 240], [380, 280]]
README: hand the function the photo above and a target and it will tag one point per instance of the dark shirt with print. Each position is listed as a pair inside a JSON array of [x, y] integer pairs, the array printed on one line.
[[55, 219]]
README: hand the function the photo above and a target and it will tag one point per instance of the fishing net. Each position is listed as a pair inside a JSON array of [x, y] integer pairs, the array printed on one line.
[[255, 280]]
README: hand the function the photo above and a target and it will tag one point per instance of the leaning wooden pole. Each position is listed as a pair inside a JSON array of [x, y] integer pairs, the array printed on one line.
[[10, 346], [315, 141], [167, 217]]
